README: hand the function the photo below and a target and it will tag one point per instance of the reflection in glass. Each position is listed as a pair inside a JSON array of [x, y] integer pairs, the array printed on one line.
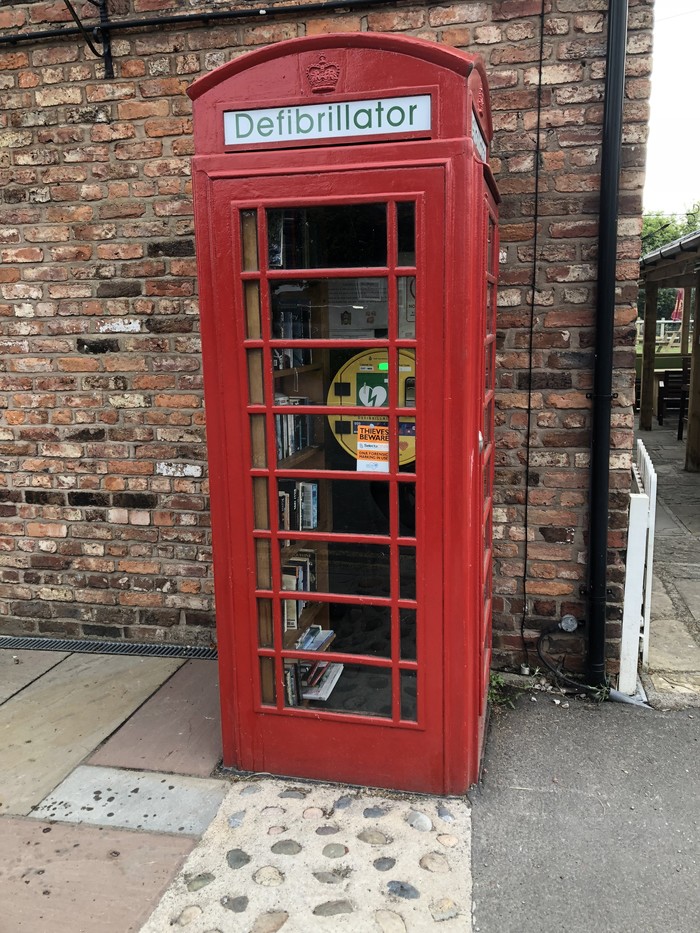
[[256, 390], [409, 696], [350, 568], [491, 311], [267, 681], [407, 621], [407, 509], [249, 238], [262, 557], [490, 256], [407, 572], [334, 237], [260, 512], [303, 309], [344, 688], [488, 423], [406, 223], [345, 506], [406, 287], [252, 310], [488, 365], [265, 623], [341, 627], [257, 441]]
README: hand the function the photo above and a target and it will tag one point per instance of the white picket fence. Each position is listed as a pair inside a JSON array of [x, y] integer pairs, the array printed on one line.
[[640, 571]]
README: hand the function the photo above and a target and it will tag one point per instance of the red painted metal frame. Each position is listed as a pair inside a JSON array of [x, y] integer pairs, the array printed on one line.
[[451, 186]]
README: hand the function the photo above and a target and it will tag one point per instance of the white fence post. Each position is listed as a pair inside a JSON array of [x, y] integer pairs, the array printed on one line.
[[634, 592], [648, 477], [639, 571]]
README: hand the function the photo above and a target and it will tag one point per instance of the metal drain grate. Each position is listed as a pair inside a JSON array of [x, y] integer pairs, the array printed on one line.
[[88, 646]]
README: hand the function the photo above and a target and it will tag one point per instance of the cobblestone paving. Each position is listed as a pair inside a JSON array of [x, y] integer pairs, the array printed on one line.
[[303, 857]]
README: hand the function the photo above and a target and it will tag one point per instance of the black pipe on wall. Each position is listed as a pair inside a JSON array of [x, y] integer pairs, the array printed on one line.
[[605, 323]]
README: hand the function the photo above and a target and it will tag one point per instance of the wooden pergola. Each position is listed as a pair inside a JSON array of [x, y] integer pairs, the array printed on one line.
[[676, 265]]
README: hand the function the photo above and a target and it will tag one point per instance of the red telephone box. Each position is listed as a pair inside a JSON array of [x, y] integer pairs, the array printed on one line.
[[347, 252]]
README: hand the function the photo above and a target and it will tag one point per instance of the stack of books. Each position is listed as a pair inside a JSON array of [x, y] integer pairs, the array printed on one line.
[[293, 432]]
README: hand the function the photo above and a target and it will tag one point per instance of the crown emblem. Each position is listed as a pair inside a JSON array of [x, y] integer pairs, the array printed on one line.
[[323, 76], [481, 102]]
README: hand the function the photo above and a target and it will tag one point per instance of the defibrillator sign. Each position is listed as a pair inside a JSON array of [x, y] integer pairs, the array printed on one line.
[[372, 448]]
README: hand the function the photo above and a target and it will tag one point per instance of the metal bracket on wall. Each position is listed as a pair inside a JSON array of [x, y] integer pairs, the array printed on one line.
[[100, 35]]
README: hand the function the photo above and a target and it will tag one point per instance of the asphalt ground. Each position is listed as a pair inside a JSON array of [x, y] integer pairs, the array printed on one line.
[[588, 819]]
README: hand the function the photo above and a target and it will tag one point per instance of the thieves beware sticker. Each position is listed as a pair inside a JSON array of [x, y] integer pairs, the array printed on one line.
[[372, 449]]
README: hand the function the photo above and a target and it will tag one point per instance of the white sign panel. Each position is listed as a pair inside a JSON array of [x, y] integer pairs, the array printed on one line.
[[479, 141], [377, 117]]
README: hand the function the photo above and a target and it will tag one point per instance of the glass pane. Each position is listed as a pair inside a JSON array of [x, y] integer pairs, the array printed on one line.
[[334, 505], [407, 572], [345, 688], [267, 681], [338, 236], [298, 441], [265, 631], [491, 310], [407, 509], [251, 291], [409, 696], [260, 511], [341, 627], [406, 287], [488, 365], [353, 309], [407, 621], [249, 238], [488, 423], [257, 441], [340, 567], [256, 389], [490, 256], [406, 232], [262, 556], [407, 379]]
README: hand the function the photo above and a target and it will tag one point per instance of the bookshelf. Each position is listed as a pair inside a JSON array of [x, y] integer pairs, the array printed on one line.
[[301, 377]]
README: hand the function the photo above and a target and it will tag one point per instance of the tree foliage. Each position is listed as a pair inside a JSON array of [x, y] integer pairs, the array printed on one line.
[[658, 229]]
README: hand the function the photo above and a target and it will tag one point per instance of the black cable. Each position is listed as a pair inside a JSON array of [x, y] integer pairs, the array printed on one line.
[[535, 248], [558, 672]]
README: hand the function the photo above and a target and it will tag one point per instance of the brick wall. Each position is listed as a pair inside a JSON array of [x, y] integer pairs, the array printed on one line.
[[104, 528]]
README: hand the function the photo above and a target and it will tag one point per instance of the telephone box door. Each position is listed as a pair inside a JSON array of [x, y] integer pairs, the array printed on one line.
[[327, 334]]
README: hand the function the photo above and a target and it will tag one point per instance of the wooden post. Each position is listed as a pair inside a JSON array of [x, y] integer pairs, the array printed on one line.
[[685, 325], [646, 407], [692, 446]]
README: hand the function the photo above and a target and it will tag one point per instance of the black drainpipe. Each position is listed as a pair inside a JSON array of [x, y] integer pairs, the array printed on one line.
[[605, 322]]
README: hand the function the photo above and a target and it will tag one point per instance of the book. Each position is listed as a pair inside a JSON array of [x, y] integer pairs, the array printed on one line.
[[323, 689], [308, 496]]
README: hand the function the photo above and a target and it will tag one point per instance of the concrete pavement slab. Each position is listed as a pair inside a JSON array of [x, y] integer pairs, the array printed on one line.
[[666, 522], [690, 591], [20, 668], [588, 819], [673, 648], [50, 726], [177, 730], [304, 857], [81, 879], [165, 803]]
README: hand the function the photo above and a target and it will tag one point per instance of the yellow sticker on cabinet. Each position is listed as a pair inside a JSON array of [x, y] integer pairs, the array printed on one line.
[[363, 382]]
